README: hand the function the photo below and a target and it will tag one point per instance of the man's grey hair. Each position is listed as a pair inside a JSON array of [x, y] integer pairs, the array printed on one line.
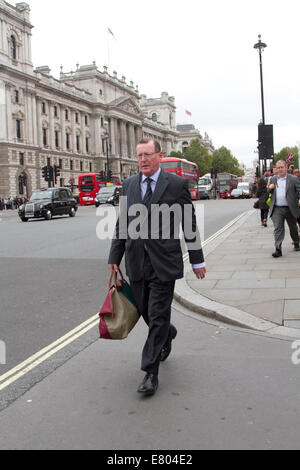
[[157, 146]]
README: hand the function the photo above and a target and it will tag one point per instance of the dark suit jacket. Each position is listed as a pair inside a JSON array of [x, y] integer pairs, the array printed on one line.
[[164, 251], [292, 194]]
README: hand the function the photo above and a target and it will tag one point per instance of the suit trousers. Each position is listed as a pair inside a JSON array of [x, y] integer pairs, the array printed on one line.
[[279, 216], [154, 299]]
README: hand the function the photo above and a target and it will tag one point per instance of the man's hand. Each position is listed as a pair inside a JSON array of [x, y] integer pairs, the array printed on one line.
[[299, 203], [271, 187], [114, 268], [200, 273]]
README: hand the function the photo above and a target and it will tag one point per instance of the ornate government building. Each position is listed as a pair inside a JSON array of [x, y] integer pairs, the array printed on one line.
[[74, 122]]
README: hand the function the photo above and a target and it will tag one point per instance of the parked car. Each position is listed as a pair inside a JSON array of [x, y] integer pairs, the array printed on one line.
[[47, 203], [247, 189], [236, 193], [108, 195]]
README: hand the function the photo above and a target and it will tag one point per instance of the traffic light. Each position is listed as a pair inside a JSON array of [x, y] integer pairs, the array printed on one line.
[[56, 173], [50, 172], [109, 175], [102, 176], [265, 142], [45, 173]]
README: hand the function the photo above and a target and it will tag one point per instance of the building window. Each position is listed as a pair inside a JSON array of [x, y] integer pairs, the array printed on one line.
[[100, 92], [81, 167], [44, 108], [86, 120], [16, 96], [48, 161], [68, 141], [76, 118], [87, 144], [60, 163], [45, 137], [21, 159], [67, 115], [71, 164], [91, 167], [78, 143], [154, 117], [18, 129], [55, 111], [102, 122], [13, 47], [56, 134]]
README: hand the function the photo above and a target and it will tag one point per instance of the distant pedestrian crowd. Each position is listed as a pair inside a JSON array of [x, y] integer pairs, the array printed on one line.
[[11, 203], [278, 195]]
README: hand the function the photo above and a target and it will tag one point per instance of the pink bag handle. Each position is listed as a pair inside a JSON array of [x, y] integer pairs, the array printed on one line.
[[117, 282]]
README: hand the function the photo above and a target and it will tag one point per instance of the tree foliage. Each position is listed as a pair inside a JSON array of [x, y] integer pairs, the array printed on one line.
[[198, 154], [282, 155], [224, 161]]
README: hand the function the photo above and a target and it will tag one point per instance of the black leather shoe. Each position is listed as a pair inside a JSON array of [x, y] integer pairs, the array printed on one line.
[[149, 385], [166, 350], [277, 254], [297, 248]]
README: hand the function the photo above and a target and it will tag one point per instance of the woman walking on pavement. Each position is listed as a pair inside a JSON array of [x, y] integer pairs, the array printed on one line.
[[263, 195]]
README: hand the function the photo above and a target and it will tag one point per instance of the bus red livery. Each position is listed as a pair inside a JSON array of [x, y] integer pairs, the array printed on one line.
[[185, 169], [89, 185], [226, 182]]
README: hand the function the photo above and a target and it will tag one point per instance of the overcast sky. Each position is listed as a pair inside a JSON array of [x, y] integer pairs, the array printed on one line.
[[200, 52]]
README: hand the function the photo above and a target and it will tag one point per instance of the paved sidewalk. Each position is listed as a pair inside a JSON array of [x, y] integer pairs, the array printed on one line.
[[242, 274]]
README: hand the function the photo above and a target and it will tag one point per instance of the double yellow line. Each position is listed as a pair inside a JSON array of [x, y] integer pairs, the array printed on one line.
[[22, 369]]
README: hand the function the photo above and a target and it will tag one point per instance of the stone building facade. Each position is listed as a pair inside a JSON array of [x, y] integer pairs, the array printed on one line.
[[77, 122], [187, 133]]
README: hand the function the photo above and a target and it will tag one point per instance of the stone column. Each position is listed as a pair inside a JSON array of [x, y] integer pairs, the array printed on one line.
[[73, 127], [63, 128], [124, 139], [117, 147], [10, 132], [34, 120], [51, 125], [112, 137], [29, 120], [82, 124], [132, 140], [3, 117], [96, 135]]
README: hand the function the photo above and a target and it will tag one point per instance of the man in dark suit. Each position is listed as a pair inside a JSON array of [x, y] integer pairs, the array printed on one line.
[[285, 206], [153, 256]]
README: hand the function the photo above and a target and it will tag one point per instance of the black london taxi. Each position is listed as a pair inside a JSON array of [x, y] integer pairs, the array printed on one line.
[[47, 203], [108, 195]]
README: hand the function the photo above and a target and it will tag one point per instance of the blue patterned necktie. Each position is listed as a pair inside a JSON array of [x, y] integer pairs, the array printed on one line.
[[149, 193]]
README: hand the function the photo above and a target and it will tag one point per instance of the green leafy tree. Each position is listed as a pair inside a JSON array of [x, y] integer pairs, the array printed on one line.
[[176, 155], [198, 154], [282, 155], [224, 161]]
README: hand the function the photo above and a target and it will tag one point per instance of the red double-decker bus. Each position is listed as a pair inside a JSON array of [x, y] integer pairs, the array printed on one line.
[[185, 169], [89, 185], [226, 182]]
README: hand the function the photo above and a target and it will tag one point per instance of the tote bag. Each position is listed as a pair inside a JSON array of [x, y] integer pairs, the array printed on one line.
[[119, 313]]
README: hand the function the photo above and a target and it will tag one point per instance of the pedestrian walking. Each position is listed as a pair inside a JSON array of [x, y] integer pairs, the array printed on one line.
[[285, 206], [155, 263], [263, 196]]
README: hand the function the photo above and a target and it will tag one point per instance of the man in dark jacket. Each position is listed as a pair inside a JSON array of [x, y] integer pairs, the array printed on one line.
[[285, 206], [153, 257]]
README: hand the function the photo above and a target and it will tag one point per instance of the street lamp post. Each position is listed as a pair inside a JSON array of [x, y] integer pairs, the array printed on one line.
[[260, 46]]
